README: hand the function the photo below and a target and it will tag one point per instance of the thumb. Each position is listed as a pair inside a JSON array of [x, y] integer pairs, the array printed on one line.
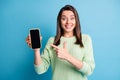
[[64, 45]]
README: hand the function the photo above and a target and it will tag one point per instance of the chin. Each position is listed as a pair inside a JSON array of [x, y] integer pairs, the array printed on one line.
[[69, 30]]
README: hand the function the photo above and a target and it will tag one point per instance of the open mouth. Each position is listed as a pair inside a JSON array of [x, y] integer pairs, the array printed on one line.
[[68, 26]]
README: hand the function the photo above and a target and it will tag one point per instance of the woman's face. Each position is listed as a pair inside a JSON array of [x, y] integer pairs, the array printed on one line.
[[68, 21]]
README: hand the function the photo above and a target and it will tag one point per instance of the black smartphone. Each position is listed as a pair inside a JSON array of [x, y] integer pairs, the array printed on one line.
[[35, 38]]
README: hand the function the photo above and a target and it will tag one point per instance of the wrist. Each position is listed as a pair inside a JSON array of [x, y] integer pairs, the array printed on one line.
[[68, 58], [36, 50]]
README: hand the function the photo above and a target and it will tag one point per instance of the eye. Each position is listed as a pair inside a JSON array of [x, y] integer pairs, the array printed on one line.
[[63, 18], [72, 18]]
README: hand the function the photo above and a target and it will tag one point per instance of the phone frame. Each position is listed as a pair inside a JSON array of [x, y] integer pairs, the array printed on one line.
[[39, 35]]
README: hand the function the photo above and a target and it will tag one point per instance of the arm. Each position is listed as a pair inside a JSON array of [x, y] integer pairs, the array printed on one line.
[[37, 57], [64, 54], [86, 65], [88, 59], [75, 62], [43, 61]]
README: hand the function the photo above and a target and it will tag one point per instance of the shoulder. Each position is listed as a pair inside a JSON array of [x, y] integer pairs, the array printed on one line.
[[86, 38], [51, 39]]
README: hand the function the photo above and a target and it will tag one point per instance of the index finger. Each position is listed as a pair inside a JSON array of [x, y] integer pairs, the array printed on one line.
[[54, 46]]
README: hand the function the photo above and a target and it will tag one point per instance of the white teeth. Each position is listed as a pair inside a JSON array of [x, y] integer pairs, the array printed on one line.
[[68, 26]]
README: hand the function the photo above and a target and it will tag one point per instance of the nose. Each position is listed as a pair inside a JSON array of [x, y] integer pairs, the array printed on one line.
[[68, 20]]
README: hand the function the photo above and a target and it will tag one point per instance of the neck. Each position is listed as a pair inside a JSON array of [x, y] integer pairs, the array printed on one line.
[[68, 35]]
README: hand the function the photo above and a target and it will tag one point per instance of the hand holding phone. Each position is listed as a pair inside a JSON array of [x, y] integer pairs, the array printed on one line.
[[35, 38]]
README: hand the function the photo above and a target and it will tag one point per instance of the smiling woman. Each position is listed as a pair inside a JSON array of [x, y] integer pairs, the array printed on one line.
[[68, 22], [69, 53], [99, 18]]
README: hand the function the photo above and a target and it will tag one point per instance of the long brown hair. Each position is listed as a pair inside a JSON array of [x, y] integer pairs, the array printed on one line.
[[77, 29]]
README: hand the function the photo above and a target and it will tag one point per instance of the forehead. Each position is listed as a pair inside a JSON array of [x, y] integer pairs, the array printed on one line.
[[67, 13]]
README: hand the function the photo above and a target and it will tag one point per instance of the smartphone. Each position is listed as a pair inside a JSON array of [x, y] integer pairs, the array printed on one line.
[[35, 38]]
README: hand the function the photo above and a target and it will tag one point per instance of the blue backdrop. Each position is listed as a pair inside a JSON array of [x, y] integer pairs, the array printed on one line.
[[99, 18]]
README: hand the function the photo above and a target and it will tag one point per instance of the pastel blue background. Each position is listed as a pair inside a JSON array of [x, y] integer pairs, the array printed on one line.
[[99, 18]]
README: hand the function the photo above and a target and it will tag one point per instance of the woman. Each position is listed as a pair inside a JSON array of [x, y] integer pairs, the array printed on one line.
[[69, 53]]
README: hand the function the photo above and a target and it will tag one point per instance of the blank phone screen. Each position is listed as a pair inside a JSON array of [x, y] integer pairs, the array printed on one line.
[[35, 38]]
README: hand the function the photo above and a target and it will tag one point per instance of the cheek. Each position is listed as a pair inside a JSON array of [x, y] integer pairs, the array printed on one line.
[[63, 21], [74, 22]]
